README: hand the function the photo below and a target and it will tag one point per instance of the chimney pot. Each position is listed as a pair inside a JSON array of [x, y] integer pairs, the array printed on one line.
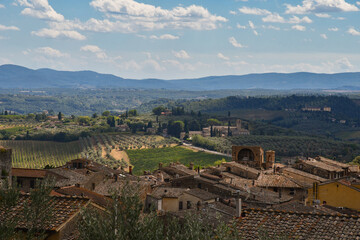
[[130, 170], [238, 207]]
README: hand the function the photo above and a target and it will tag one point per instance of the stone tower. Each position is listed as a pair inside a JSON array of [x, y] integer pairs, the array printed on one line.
[[270, 159], [5, 163]]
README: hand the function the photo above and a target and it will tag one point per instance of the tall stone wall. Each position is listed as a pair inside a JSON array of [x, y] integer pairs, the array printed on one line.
[[5, 163]]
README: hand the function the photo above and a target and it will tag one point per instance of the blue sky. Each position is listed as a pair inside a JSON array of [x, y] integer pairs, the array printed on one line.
[[181, 39]]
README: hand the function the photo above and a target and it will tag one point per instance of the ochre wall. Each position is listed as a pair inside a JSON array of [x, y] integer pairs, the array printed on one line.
[[337, 195], [170, 204]]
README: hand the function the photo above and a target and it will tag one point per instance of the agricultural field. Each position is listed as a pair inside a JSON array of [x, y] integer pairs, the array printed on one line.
[[38, 154], [149, 159], [291, 146]]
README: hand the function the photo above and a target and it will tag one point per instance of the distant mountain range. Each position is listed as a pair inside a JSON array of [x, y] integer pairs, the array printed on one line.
[[13, 76]]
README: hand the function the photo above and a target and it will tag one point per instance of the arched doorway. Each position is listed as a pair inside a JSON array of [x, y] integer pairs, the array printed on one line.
[[246, 155]]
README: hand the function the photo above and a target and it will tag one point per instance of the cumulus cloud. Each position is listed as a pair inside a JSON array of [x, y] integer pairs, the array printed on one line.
[[232, 12], [2, 6], [276, 18], [164, 37], [334, 29], [322, 15], [251, 25], [240, 26], [323, 36], [53, 33], [181, 54], [221, 56], [137, 15], [320, 6], [298, 27], [3, 28], [100, 54], [51, 52], [40, 9], [271, 27], [353, 32], [254, 11], [234, 42]]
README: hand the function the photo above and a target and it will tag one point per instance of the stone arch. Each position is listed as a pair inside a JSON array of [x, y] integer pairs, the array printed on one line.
[[246, 155]]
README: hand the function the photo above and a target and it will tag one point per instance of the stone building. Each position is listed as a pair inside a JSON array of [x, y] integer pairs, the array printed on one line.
[[321, 169], [5, 164], [253, 156]]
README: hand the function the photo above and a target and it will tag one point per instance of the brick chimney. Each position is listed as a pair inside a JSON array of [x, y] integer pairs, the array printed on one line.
[[191, 166], [130, 169], [238, 207]]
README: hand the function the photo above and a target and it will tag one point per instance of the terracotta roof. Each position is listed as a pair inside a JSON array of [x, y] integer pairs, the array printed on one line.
[[33, 173], [167, 192], [82, 192], [63, 208], [332, 162], [304, 174], [202, 194], [275, 180], [71, 176], [177, 168], [295, 225], [323, 165], [241, 166]]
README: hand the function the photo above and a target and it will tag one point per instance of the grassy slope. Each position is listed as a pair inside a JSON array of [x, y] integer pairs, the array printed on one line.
[[148, 159]]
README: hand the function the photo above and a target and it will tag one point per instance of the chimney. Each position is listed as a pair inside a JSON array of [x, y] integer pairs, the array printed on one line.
[[130, 170], [238, 207], [191, 166]]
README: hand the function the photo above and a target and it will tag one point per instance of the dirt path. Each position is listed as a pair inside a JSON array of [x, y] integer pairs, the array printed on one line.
[[118, 155]]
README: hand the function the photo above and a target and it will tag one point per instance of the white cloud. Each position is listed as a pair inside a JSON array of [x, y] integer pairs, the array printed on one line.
[[221, 56], [233, 42], [323, 36], [322, 15], [334, 29], [255, 33], [358, 3], [53, 33], [2, 6], [254, 11], [51, 52], [274, 17], [164, 37], [181, 54], [90, 48], [240, 26], [134, 16], [353, 32], [251, 25], [271, 27], [3, 28], [100, 54], [232, 12], [321, 6], [40, 9], [296, 20], [298, 27]]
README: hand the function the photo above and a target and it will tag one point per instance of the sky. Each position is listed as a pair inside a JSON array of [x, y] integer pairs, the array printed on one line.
[[172, 39]]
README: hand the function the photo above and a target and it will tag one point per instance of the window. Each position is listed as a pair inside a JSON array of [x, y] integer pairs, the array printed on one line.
[[180, 205], [199, 185], [188, 204], [74, 165], [292, 191], [32, 183], [19, 182], [275, 189], [93, 186]]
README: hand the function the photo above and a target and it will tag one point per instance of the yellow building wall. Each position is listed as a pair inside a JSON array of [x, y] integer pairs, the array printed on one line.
[[356, 185], [337, 195], [170, 204]]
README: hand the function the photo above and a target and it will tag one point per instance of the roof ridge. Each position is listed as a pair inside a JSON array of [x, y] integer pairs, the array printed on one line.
[[302, 213]]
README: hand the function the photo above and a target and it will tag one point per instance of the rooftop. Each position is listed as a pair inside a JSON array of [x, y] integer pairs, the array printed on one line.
[[275, 180], [323, 165], [82, 192], [304, 174], [202, 194], [241, 166], [64, 208], [332, 162], [295, 225]]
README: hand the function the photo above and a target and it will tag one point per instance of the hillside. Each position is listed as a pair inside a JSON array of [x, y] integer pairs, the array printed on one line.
[[12, 76]]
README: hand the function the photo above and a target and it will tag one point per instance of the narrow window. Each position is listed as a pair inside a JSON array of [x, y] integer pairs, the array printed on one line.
[[180, 205]]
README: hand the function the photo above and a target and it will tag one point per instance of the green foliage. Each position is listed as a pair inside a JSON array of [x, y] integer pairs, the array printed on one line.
[[356, 160], [214, 122], [149, 159], [106, 113], [175, 128], [158, 110]]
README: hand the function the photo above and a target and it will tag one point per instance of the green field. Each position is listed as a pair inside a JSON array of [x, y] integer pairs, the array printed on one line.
[[38, 154], [149, 159]]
